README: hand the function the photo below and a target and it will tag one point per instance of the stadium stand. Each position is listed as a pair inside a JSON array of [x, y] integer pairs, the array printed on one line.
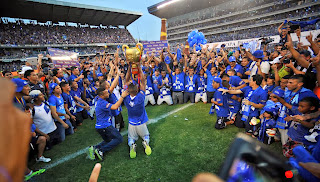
[[27, 28], [227, 20]]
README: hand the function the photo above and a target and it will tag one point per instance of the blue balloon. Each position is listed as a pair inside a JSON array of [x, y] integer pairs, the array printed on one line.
[[193, 42], [201, 35], [198, 48], [204, 41]]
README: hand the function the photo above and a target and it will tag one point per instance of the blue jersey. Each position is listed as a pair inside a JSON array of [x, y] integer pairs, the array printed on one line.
[[68, 99], [237, 68], [77, 94], [235, 81], [178, 82], [73, 77], [209, 81], [165, 90], [257, 96], [222, 111], [137, 114], [190, 83], [155, 80], [103, 113], [58, 102], [201, 84], [149, 86], [113, 99], [293, 98]]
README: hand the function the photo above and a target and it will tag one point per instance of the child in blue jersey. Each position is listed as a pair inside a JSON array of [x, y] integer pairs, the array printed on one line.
[[149, 91], [220, 101], [137, 116], [202, 87], [267, 128], [58, 111], [190, 86], [111, 136], [299, 128], [164, 84]]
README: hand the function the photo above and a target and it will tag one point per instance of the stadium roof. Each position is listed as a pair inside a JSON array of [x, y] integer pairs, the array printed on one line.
[[180, 7], [59, 11]]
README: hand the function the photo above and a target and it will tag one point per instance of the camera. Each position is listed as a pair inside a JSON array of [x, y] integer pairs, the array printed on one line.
[[286, 61], [265, 41], [164, 49]]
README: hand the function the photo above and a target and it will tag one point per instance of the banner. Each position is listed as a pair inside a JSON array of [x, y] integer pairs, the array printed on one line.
[[148, 46], [61, 58]]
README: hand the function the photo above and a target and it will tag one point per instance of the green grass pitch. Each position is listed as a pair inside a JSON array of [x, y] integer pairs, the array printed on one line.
[[180, 149]]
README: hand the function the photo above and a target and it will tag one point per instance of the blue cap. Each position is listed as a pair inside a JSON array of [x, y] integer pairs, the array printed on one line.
[[52, 86], [232, 59], [99, 74], [278, 92], [217, 80], [258, 54], [269, 109], [19, 83]]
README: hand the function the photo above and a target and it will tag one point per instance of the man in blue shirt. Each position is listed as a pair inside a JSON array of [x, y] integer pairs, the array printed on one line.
[[177, 83], [137, 116], [76, 76], [58, 112], [190, 86], [82, 107], [234, 66], [221, 104], [110, 135], [69, 103], [164, 84]]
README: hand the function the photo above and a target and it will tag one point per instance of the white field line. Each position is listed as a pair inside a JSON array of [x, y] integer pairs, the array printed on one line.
[[82, 151]]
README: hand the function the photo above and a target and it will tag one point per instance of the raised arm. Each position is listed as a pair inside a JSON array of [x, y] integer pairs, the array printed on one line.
[[296, 55]]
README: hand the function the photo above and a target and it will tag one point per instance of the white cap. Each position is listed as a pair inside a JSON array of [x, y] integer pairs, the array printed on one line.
[[276, 60], [35, 93], [24, 69]]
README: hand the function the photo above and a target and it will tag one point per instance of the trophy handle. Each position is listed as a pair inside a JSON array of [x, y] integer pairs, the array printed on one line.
[[139, 46], [124, 47]]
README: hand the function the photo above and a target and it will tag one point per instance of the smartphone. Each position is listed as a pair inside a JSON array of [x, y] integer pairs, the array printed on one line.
[[250, 160]]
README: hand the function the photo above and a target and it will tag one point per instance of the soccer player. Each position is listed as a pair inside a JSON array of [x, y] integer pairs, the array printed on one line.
[[111, 136], [137, 116], [221, 104]]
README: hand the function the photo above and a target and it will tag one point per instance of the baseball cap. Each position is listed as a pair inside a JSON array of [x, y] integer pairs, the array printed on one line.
[[34, 93], [258, 54], [99, 74], [217, 80], [19, 83], [278, 92], [52, 86], [269, 109], [232, 59], [276, 60], [24, 69]]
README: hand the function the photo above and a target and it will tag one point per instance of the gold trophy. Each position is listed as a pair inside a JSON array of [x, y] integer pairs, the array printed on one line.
[[133, 55]]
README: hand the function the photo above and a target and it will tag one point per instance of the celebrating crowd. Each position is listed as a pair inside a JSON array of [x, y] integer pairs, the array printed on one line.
[[35, 34], [273, 95]]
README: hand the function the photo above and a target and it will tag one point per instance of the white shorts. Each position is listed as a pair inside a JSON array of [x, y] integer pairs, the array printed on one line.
[[167, 99], [134, 131], [149, 98], [199, 97]]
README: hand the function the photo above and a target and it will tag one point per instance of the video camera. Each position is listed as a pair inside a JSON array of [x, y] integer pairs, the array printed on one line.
[[251, 160], [266, 40]]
